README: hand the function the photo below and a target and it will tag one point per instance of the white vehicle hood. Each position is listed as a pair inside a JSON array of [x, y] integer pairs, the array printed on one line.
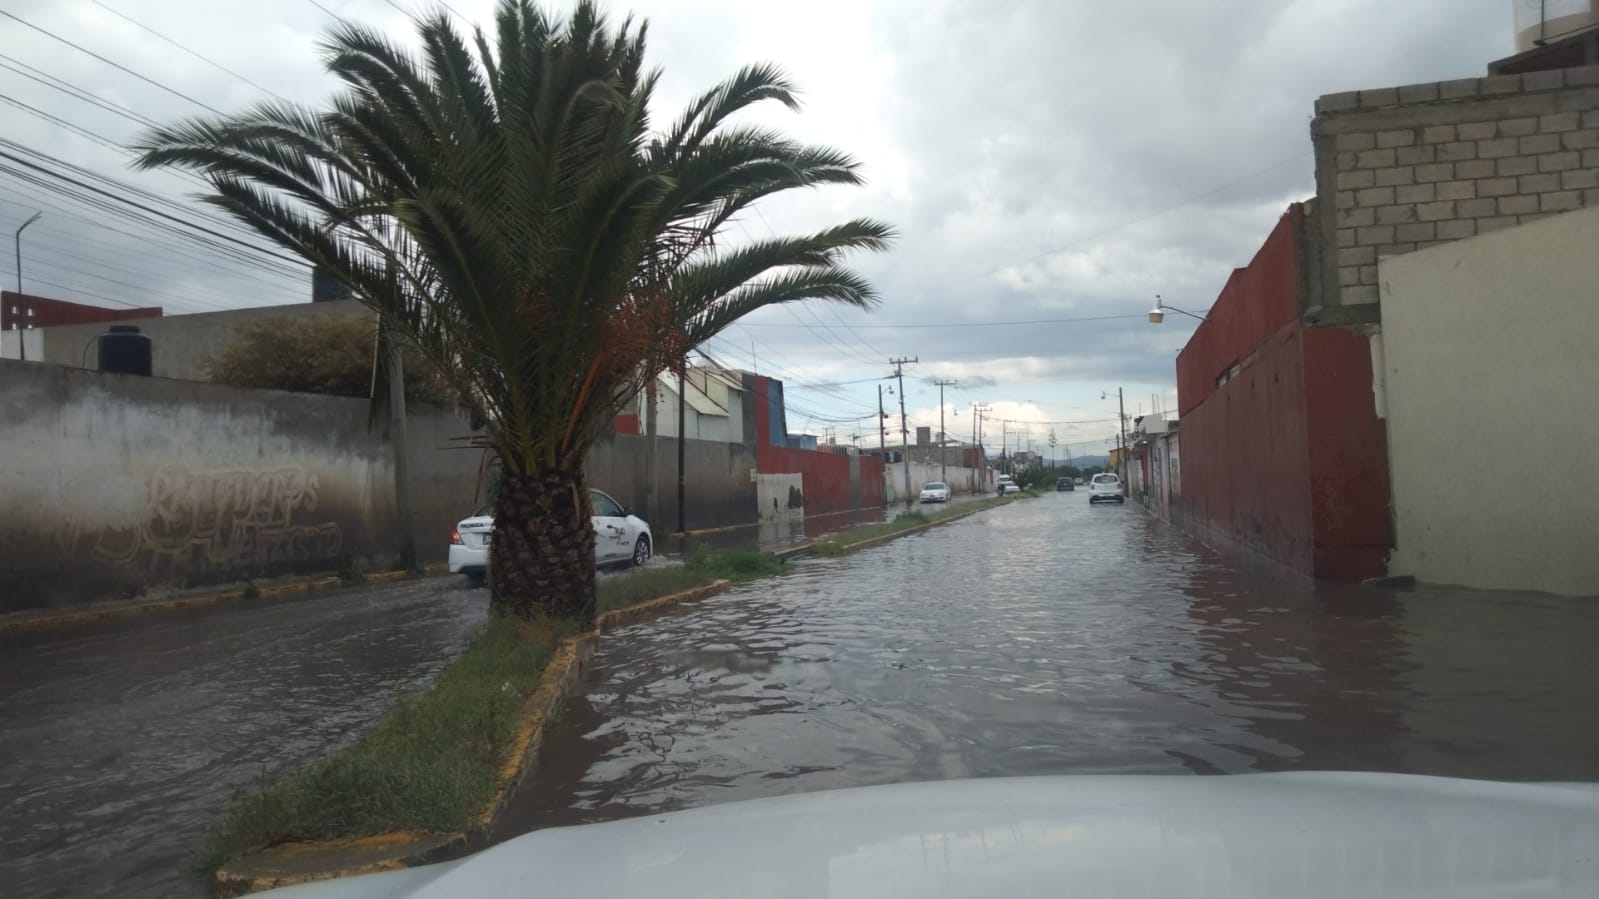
[[1256, 836]]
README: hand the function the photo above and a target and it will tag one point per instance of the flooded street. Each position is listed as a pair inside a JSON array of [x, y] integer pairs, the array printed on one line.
[[1049, 637], [123, 739]]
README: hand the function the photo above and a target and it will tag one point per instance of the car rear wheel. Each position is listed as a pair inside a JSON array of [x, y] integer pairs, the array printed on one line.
[[641, 552]]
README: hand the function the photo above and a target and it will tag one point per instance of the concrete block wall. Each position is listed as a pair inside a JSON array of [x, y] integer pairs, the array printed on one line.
[[1402, 168]]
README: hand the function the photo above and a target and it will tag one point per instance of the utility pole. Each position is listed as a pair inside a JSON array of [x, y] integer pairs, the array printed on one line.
[[977, 444], [1121, 421], [652, 447], [904, 428], [682, 437], [882, 424], [882, 433], [1004, 432], [943, 457]]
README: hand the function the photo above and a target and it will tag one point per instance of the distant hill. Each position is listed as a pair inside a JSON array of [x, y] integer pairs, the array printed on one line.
[[1086, 461], [1060, 462]]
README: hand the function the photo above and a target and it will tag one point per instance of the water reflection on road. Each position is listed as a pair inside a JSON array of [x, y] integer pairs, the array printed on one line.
[[122, 740], [1048, 637]]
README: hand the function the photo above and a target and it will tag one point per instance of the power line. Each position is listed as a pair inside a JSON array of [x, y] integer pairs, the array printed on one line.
[[72, 90], [112, 63], [142, 192], [194, 53], [875, 353], [120, 199], [131, 215], [76, 129], [978, 324], [52, 251], [110, 144], [154, 238]]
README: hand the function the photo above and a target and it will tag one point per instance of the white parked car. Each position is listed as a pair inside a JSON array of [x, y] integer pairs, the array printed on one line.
[[1105, 488], [620, 537], [1006, 484], [935, 492]]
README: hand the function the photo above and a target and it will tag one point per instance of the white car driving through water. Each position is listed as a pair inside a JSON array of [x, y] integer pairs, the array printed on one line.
[[935, 492], [1105, 488], [620, 538]]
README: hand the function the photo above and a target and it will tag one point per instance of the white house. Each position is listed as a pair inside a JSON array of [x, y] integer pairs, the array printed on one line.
[[715, 408]]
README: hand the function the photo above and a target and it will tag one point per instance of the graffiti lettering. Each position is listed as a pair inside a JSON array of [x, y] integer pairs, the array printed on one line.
[[213, 521]]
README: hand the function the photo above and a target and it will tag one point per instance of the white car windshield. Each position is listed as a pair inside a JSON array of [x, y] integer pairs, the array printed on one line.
[[934, 486], [1104, 479]]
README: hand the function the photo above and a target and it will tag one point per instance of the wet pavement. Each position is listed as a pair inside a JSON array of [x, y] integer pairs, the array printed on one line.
[[775, 536], [122, 740], [1051, 637]]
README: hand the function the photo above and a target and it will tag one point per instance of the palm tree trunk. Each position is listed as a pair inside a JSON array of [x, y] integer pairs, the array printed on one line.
[[543, 557]]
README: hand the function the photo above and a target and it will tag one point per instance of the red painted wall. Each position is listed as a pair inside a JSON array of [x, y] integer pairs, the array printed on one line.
[[49, 313], [1287, 457], [1255, 304], [1348, 457], [828, 486], [1245, 456]]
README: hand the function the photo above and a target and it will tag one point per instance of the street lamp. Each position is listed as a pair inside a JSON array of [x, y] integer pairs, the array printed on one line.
[[22, 343], [31, 219], [1158, 313]]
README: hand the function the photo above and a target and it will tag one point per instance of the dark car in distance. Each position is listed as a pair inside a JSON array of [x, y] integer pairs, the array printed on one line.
[[1064, 484]]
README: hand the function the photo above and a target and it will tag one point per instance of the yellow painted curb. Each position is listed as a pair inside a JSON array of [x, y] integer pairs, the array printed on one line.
[[26, 621], [296, 863], [639, 611]]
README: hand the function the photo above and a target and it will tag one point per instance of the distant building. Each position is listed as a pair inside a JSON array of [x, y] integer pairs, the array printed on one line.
[[714, 411], [22, 313], [1319, 400], [182, 344]]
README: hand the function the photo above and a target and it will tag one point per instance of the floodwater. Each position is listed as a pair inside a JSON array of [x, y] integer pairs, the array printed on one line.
[[1051, 637], [780, 534], [121, 741]]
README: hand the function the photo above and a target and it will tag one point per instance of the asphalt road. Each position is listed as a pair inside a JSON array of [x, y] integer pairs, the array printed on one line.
[[122, 740], [1051, 637]]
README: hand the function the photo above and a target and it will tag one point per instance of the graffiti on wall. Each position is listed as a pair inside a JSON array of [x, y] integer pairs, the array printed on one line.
[[183, 520]]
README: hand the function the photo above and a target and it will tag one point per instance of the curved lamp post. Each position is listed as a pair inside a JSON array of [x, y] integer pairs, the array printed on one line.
[[1158, 313]]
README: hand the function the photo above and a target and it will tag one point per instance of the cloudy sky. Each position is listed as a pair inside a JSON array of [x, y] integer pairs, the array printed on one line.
[[1051, 166]]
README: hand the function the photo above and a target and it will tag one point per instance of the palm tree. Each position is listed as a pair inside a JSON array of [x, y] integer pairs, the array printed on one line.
[[507, 209]]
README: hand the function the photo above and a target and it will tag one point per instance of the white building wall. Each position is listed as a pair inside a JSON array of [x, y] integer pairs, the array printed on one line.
[[961, 480], [1490, 347], [721, 419]]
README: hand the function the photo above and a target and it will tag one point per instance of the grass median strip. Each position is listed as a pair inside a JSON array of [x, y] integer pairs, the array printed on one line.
[[641, 586], [430, 764], [841, 542]]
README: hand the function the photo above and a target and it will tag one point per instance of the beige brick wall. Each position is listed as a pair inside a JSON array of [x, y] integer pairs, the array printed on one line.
[[1398, 169]]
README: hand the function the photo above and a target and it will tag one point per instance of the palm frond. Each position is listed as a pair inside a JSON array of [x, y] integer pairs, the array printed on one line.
[[500, 199]]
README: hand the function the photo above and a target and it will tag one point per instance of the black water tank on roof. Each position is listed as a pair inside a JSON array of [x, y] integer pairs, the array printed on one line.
[[125, 350]]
